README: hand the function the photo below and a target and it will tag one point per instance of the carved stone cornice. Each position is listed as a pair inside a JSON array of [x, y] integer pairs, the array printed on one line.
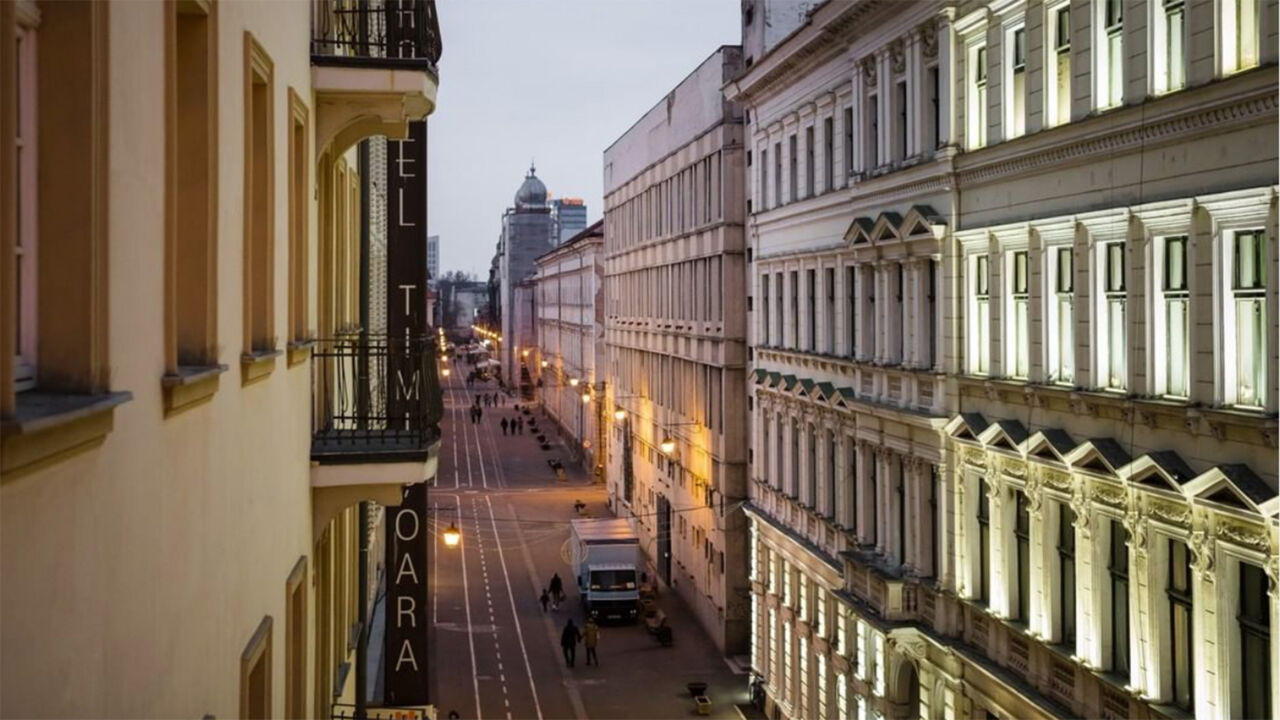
[[1105, 494], [1245, 535], [869, 72], [1171, 513], [929, 38], [898, 56], [1056, 480]]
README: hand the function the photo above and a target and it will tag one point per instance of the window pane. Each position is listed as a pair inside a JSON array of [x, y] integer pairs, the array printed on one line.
[[1063, 35], [1250, 351], [1065, 270], [1178, 348], [1175, 263], [1174, 21]]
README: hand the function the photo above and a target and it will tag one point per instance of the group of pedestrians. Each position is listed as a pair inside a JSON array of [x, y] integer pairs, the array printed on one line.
[[515, 425], [490, 399], [571, 635], [477, 414]]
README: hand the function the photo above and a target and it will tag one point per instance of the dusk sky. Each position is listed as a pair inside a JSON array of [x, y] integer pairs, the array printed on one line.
[[555, 81]]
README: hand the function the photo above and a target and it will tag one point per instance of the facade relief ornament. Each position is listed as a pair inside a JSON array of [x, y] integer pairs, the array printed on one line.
[[1170, 513], [1203, 545], [929, 39], [1135, 523], [975, 457], [869, 70], [898, 56], [1014, 468], [1080, 506], [1241, 534], [1056, 480], [1108, 495]]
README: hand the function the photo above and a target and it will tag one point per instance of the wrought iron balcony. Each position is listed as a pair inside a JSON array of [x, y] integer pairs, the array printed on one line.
[[401, 34], [374, 399]]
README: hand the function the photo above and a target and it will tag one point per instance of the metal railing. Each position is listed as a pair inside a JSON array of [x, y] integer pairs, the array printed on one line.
[[374, 396], [377, 33]]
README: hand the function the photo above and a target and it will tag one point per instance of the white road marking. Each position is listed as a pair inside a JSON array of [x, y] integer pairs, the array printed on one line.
[[466, 599], [514, 616]]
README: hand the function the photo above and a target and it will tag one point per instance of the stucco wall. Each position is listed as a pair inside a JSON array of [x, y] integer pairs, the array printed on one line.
[[135, 573]]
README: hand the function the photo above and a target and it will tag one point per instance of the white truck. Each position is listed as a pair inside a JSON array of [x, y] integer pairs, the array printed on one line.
[[606, 561]]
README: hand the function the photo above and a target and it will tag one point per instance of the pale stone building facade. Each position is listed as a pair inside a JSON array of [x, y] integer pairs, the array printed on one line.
[[570, 351], [185, 222], [1014, 337], [676, 333]]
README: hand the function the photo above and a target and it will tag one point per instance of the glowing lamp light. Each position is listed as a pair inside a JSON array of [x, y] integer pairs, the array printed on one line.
[[452, 536], [586, 397], [544, 363], [525, 353], [573, 382], [445, 372], [668, 445], [619, 415]]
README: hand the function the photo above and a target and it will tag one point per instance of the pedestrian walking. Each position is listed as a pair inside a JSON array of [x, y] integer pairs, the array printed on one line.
[[569, 640], [557, 589], [590, 638], [479, 414], [504, 426], [545, 599], [477, 401]]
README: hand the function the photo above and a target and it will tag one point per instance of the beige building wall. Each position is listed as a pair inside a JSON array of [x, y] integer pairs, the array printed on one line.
[[676, 329]]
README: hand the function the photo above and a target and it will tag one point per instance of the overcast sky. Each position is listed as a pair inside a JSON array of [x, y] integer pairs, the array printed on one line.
[[555, 81]]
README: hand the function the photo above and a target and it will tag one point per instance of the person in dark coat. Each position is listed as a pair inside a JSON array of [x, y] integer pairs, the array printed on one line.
[[569, 641], [545, 599], [557, 588], [591, 638], [504, 426]]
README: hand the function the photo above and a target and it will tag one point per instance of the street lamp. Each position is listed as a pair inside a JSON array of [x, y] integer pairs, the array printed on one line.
[[573, 382], [668, 445], [543, 364], [619, 414], [586, 397], [525, 352], [452, 535], [445, 372]]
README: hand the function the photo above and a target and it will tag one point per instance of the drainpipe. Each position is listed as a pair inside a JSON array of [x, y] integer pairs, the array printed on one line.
[[362, 642]]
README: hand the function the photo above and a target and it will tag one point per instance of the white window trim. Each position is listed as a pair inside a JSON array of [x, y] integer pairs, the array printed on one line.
[[1162, 80], [1161, 350], [971, 30], [1057, 352], [1229, 41], [1013, 345], [1051, 65], [1010, 125], [1102, 90], [976, 119], [978, 341]]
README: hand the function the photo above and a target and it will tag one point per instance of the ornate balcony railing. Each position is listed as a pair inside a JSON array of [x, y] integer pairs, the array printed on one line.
[[374, 399], [375, 33]]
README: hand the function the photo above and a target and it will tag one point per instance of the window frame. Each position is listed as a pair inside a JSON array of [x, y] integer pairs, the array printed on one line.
[[1018, 321], [976, 90], [1171, 291], [1234, 54], [1058, 53], [1109, 76], [1113, 311], [1169, 68], [1255, 293], [1015, 81], [979, 292], [1180, 602], [1119, 633]]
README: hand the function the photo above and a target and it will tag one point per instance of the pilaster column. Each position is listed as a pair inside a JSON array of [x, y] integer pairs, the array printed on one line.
[[859, 134], [879, 339], [946, 53]]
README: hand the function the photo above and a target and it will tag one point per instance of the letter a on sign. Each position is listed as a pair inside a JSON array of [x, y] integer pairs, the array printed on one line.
[[406, 656], [406, 568]]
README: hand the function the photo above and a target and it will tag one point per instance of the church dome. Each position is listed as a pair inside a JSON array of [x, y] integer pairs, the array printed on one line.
[[532, 191]]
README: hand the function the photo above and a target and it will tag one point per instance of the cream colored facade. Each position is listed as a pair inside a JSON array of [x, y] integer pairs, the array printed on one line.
[[676, 335], [169, 547], [1014, 372], [569, 306]]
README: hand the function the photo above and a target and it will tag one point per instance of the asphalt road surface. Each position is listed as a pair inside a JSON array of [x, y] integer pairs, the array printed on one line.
[[495, 652]]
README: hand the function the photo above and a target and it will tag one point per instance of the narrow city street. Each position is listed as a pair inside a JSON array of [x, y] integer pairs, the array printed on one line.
[[496, 654]]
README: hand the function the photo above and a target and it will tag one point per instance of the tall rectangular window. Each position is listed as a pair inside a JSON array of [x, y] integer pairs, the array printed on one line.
[[828, 155], [1112, 340], [903, 124], [1254, 661], [931, 307], [829, 324], [1058, 66], [1016, 92], [1177, 349], [811, 340], [829, 490], [1168, 33], [1067, 574], [1019, 320], [900, 287], [851, 311], [191, 282], [934, 527], [1061, 317], [777, 174], [1248, 306], [809, 161], [984, 542], [934, 131], [764, 179], [1179, 593], [873, 131], [848, 141], [1240, 34], [764, 315], [1022, 568], [793, 175], [976, 132], [795, 309], [781, 328], [980, 329], [259, 259], [793, 487], [1109, 73], [1118, 569], [25, 202], [299, 208]]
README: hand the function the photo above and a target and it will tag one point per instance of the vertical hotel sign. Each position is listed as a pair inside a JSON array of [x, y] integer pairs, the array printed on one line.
[[405, 653]]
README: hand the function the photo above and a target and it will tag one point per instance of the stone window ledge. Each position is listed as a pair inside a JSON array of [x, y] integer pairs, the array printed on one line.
[[299, 351], [48, 427], [192, 385], [257, 364]]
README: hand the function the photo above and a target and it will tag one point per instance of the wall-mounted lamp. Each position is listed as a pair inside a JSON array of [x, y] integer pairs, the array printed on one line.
[[668, 445], [619, 414], [452, 535], [543, 363], [573, 382], [445, 372], [586, 397], [525, 353]]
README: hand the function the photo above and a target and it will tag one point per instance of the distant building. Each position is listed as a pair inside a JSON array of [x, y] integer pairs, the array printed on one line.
[[676, 333], [568, 218], [526, 234], [570, 310], [433, 257]]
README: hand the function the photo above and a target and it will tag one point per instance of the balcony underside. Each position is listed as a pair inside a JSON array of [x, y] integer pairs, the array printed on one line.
[[357, 101], [345, 476]]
